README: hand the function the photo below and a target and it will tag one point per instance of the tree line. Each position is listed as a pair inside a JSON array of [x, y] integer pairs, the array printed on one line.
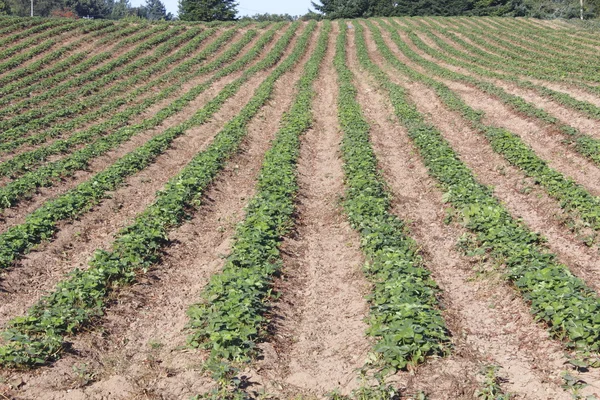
[[514, 8], [226, 10], [98, 9]]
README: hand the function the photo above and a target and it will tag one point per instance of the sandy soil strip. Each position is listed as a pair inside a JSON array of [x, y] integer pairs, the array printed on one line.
[[112, 83], [75, 242], [114, 55], [566, 115], [544, 140], [320, 334], [490, 323], [16, 215], [550, 220], [63, 39], [538, 211], [89, 48], [573, 91], [137, 351], [517, 58], [132, 102]]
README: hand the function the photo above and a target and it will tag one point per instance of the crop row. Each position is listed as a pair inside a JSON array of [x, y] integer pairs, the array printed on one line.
[[453, 56], [14, 191], [503, 61], [404, 313], [38, 337], [42, 34], [90, 74], [88, 30], [586, 145], [66, 105], [45, 78], [41, 224], [572, 196], [556, 296], [10, 25], [534, 63], [232, 318], [24, 161], [564, 52], [567, 45]]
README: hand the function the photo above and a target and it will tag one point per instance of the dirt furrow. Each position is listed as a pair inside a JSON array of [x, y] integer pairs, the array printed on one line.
[[137, 352], [115, 54], [545, 213], [133, 102], [519, 195], [16, 215], [543, 139], [75, 242], [320, 338], [490, 324], [571, 90], [63, 39], [566, 115]]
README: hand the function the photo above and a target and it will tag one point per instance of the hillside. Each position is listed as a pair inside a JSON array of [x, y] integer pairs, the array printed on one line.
[[285, 211]]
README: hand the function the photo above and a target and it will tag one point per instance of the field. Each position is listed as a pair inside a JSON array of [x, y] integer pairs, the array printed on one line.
[[299, 210]]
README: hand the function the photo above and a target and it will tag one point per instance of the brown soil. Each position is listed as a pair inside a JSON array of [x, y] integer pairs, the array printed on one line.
[[114, 55], [144, 356], [64, 39], [571, 90], [545, 141], [75, 242], [509, 337], [52, 108], [16, 215], [566, 115], [124, 94], [319, 340], [318, 343]]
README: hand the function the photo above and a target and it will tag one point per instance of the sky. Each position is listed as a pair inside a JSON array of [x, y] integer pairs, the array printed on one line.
[[251, 7]]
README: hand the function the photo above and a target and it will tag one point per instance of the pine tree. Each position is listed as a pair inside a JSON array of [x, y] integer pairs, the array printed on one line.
[[207, 10], [90, 8], [156, 10], [342, 8], [4, 7], [120, 9]]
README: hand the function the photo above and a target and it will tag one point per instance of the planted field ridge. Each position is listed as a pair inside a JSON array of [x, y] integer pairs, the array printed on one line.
[[388, 208]]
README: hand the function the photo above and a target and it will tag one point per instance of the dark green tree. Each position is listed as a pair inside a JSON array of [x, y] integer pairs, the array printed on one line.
[[41, 8], [342, 8], [156, 11], [120, 9], [90, 8], [207, 10], [4, 7]]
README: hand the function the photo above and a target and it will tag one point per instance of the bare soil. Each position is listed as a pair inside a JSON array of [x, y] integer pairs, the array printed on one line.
[[319, 340], [318, 343], [472, 292]]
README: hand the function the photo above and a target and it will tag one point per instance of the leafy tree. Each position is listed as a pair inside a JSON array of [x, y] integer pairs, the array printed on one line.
[[120, 9], [342, 8], [207, 10], [271, 17], [41, 8], [156, 10], [4, 8], [90, 8]]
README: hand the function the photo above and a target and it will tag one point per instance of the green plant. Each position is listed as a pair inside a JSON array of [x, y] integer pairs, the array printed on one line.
[[491, 389], [558, 298]]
